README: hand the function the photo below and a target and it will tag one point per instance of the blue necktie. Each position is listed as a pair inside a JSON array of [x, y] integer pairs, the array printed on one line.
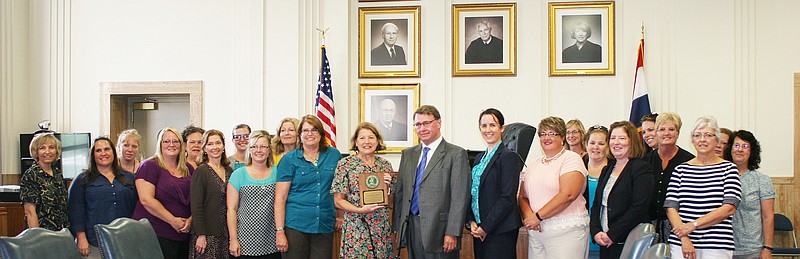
[[420, 171]]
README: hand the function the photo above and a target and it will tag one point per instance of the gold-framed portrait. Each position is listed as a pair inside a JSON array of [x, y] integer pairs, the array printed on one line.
[[581, 38], [388, 42], [391, 108], [484, 39]]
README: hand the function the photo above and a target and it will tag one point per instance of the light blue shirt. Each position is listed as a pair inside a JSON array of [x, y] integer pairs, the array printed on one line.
[[477, 172]]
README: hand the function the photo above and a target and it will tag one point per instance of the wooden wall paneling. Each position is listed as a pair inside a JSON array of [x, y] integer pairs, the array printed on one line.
[[119, 116], [11, 179]]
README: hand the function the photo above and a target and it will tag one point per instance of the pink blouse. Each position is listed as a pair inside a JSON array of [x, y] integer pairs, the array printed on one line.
[[541, 183]]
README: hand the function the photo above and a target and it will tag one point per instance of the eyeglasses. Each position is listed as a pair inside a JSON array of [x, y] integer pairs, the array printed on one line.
[[310, 131], [264, 147], [597, 127], [741, 146], [170, 141], [548, 134], [699, 135], [424, 123], [241, 136], [572, 132]]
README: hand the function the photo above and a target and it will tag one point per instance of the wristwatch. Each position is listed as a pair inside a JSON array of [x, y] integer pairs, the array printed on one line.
[[694, 223], [768, 248]]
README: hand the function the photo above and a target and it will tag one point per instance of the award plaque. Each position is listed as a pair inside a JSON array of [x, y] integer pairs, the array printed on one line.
[[372, 188]]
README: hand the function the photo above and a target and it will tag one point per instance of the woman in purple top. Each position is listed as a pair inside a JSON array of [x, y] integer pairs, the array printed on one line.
[[162, 182]]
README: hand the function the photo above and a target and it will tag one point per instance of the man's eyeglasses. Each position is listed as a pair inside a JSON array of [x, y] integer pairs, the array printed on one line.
[[424, 123], [241, 136]]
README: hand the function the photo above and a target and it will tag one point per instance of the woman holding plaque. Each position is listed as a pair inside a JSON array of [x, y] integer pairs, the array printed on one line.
[[366, 232], [492, 219]]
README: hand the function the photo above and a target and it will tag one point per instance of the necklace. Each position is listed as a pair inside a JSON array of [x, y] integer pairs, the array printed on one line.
[[311, 159], [546, 160]]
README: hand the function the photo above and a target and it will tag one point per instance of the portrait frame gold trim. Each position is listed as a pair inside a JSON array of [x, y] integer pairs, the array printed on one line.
[[368, 90], [557, 10], [460, 68], [398, 12]]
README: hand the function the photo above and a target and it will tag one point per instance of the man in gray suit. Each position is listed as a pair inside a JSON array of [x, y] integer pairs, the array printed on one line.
[[432, 193]]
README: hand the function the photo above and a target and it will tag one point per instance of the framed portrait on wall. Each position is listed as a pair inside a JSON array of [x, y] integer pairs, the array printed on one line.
[[484, 40], [388, 42], [391, 108], [581, 38]]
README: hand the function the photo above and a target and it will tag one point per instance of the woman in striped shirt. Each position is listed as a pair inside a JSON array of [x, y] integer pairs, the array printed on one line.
[[701, 198]]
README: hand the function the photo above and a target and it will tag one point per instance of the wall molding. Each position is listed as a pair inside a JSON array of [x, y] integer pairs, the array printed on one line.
[[744, 45]]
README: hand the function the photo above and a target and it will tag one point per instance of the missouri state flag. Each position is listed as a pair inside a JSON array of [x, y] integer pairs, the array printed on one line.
[[640, 106]]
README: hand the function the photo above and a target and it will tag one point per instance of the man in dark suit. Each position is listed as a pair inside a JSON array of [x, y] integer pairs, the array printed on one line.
[[486, 48], [583, 51], [391, 129], [388, 53], [432, 192]]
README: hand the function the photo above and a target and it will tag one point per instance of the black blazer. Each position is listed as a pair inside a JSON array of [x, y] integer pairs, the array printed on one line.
[[498, 192], [628, 201]]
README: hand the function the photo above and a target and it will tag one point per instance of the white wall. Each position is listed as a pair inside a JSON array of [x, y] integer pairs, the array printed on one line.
[[259, 63]]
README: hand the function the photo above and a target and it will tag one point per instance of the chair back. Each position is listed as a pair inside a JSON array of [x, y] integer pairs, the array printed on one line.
[[518, 137], [638, 241], [782, 223], [35, 243], [128, 238], [657, 251]]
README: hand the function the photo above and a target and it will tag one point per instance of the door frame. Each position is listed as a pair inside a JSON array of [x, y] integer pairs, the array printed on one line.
[[193, 88]]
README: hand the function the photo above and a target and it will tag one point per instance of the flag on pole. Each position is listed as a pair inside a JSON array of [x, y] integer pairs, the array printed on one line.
[[641, 103], [324, 103]]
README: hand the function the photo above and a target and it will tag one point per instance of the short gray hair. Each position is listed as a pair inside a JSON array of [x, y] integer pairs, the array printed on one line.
[[707, 122]]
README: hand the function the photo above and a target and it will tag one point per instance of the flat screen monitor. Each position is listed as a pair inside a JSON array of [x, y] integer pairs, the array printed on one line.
[[75, 149]]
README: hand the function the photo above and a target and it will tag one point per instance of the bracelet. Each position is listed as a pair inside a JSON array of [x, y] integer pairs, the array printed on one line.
[[278, 229], [694, 223], [768, 248], [538, 217]]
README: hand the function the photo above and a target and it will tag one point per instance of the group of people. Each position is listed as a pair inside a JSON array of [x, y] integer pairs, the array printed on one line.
[[279, 195]]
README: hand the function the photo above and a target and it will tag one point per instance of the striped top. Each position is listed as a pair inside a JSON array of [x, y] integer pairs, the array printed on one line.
[[697, 190]]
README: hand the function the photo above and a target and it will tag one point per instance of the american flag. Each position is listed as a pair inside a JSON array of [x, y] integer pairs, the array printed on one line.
[[324, 104]]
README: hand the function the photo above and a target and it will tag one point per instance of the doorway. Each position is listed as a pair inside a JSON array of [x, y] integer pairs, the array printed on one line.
[[176, 104]]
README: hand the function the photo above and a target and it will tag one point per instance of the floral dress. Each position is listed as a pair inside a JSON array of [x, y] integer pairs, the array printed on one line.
[[363, 235]]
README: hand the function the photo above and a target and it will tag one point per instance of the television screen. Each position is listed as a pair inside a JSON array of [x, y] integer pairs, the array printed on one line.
[[74, 152]]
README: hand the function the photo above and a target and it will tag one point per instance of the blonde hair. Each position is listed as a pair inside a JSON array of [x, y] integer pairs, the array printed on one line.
[[665, 117], [125, 136], [581, 130], [39, 140], [275, 145], [254, 136], [159, 157]]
